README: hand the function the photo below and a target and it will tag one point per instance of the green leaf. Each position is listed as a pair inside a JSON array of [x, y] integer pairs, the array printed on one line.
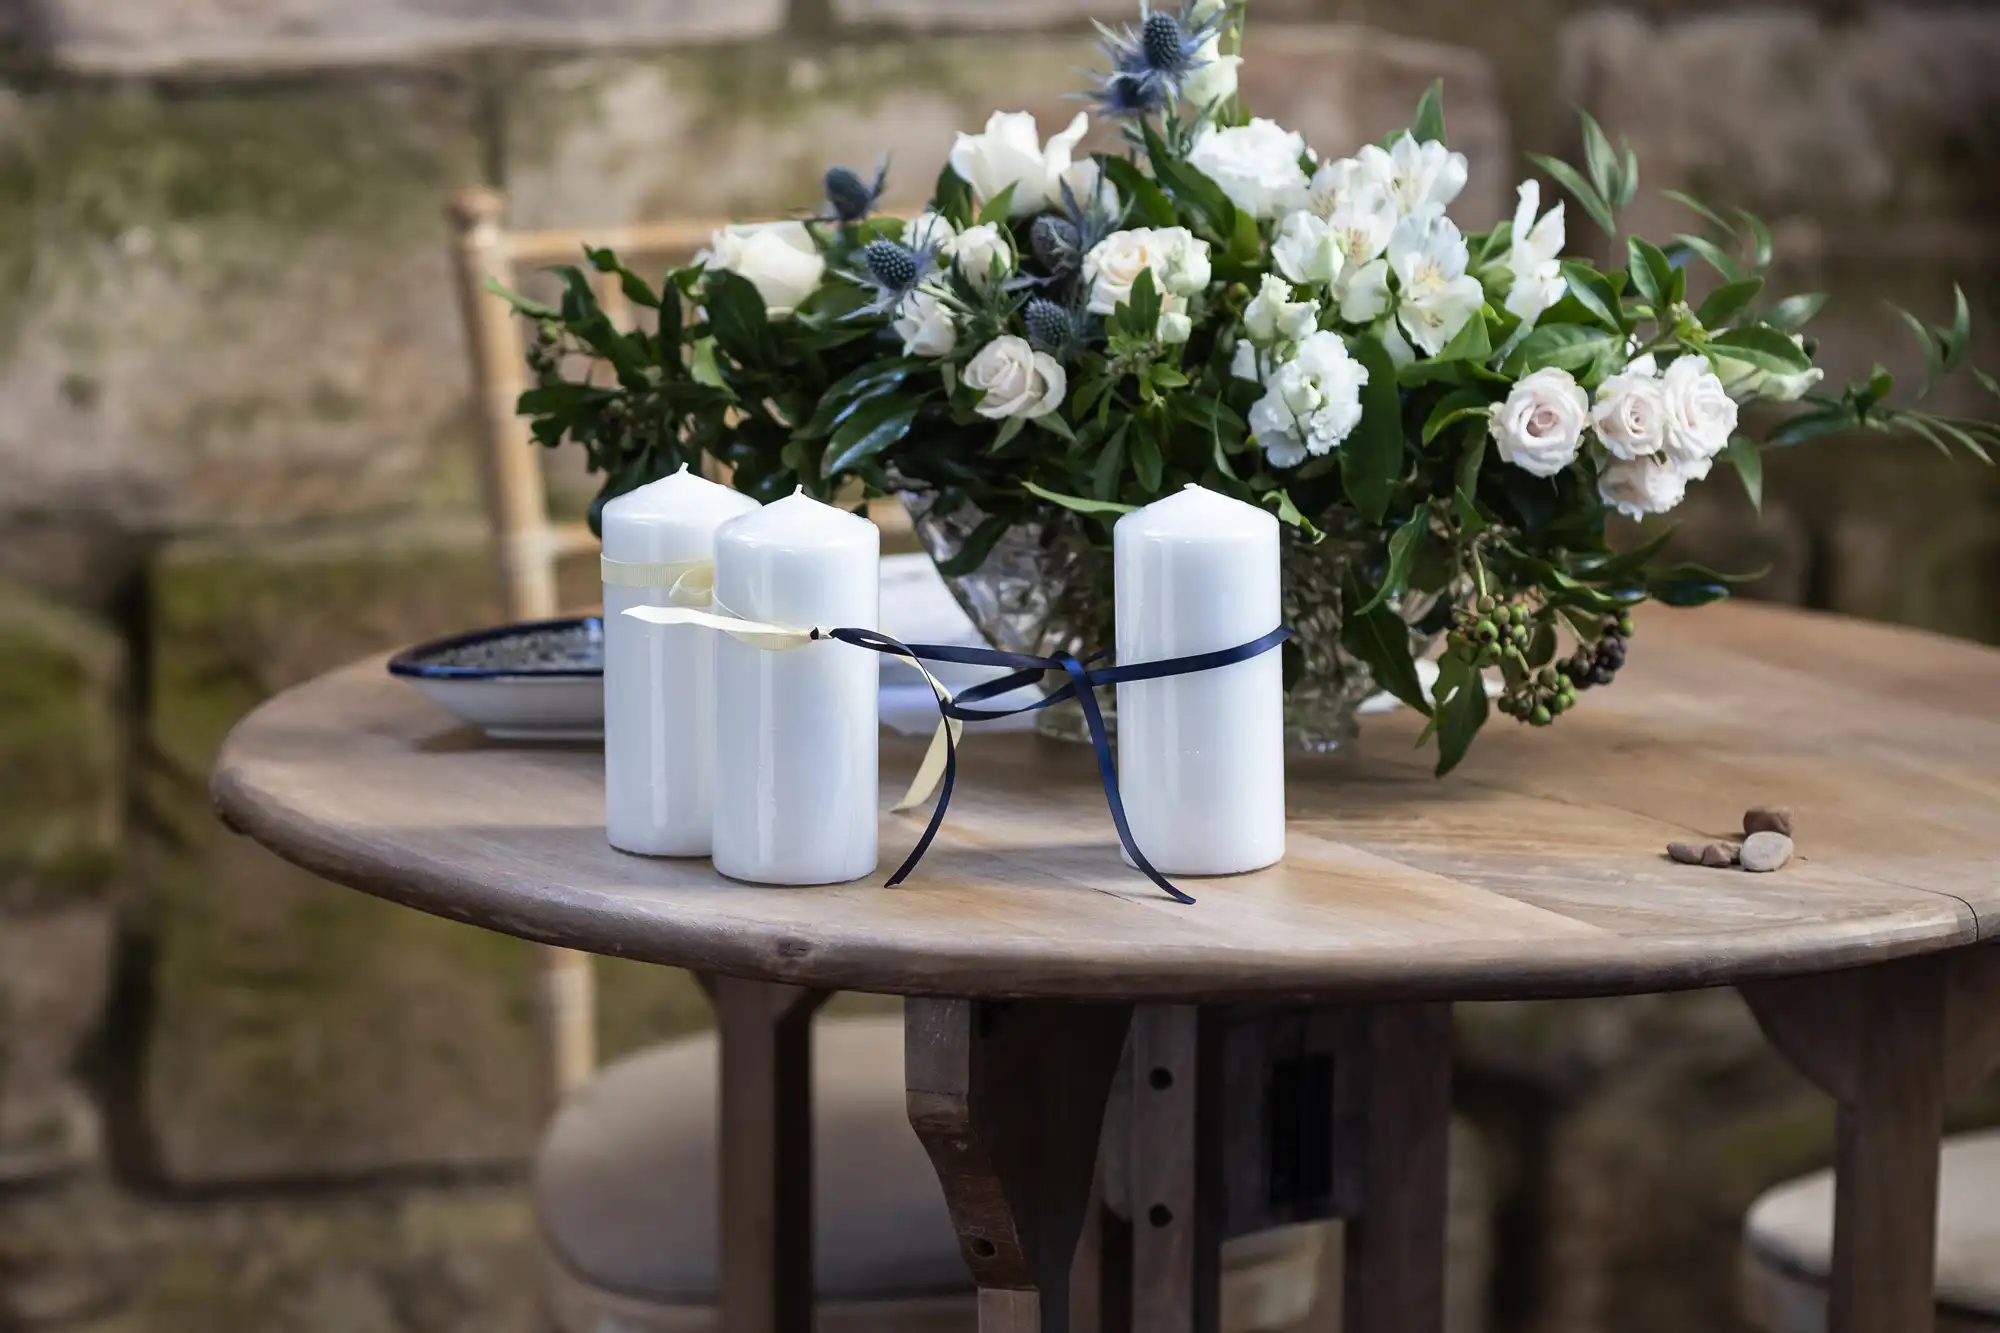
[[1765, 348], [1933, 356], [1104, 477], [1748, 461], [1461, 709], [1470, 343], [1692, 585], [1652, 274], [998, 207], [1429, 123], [1003, 437], [1600, 158], [1372, 457], [1078, 502], [1718, 259], [1579, 188], [1289, 513], [1793, 313], [1053, 423], [1569, 346], [1812, 425], [1148, 205], [867, 433], [737, 321], [978, 545], [952, 197], [1458, 405], [1696, 206], [1403, 544], [1147, 465], [1728, 301], [1381, 639], [1628, 179], [1760, 238], [1595, 293], [531, 308], [1958, 339], [1468, 468]]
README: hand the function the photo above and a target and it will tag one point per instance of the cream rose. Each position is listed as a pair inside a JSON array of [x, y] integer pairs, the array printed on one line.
[[1010, 152], [1178, 262], [1018, 380], [1636, 487], [779, 259], [1631, 413], [1256, 165], [1700, 414], [1540, 426], [926, 325]]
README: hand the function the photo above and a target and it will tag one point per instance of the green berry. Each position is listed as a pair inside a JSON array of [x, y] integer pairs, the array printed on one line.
[[1625, 625], [1540, 716], [1485, 605]]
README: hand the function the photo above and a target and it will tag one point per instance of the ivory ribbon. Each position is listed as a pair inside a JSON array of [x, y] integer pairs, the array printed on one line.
[[685, 582]]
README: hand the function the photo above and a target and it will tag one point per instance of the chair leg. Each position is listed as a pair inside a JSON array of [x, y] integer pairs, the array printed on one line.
[[1009, 1101]]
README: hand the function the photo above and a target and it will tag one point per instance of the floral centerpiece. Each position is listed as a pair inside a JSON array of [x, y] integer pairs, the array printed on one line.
[[1444, 419]]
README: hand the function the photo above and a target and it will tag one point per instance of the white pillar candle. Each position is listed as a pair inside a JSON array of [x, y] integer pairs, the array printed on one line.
[[659, 681], [1201, 757], [795, 743]]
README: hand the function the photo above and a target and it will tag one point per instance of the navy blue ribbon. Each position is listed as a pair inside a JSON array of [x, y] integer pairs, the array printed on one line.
[[1082, 685]]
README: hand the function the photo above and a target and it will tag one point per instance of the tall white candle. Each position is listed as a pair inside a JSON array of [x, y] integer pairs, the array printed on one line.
[[1201, 757], [659, 680], [795, 741]]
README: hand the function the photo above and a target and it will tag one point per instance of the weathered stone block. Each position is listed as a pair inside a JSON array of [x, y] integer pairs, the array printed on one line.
[[162, 36], [747, 132]]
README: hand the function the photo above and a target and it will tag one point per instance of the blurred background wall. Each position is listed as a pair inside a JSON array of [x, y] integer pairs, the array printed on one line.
[[235, 450]]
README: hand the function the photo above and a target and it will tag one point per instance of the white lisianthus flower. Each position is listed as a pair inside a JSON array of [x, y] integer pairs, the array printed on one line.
[[1421, 179], [1274, 317], [779, 259], [1700, 414], [1018, 380], [1540, 426], [1214, 81], [933, 229], [1009, 152], [1535, 257], [1256, 165], [1748, 384], [1243, 364], [1435, 297], [984, 255], [1636, 487], [1174, 327], [1311, 403], [1307, 250], [1631, 412], [1177, 260], [926, 325]]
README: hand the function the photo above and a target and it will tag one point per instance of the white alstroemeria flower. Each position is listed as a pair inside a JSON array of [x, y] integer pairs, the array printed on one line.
[[1435, 297], [779, 259], [1362, 223], [926, 325], [928, 228], [1636, 487], [1010, 152], [1748, 384], [1421, 178], [1256, 165], [1018, 380], [984, 255], [1243, 363], [1535, 257], [1700, 414], [1214, 82], [1333, 183], [1307, 250], [1176, 258], [1540, 426], [1274, 317], [1631, 412], [1311, 403]]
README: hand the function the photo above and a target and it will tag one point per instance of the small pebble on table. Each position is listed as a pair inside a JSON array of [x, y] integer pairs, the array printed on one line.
[[1766, 851], [1768, 819], [1718, 855]]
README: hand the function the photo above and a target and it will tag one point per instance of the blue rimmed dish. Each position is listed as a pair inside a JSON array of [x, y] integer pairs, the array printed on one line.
[[539, 680]]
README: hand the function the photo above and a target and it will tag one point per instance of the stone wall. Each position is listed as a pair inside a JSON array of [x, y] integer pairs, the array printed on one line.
[[234, 451]]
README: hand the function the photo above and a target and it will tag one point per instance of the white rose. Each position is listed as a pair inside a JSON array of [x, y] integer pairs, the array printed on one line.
[[1631, 413], [1178, 262], [779, 259], [1437, 297], [1311, 403], [928, 228], [1273, 316], [1540, 426], [1636, 487], [1256, 165], [926, 325], [1215, 81], [1018, 380], [1307, 250], [984, 254], [1700, 414], [1009, 152]]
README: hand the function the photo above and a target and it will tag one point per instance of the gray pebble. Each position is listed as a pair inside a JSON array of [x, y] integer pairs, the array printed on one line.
[[1766, 851], [1768, 819], [1684, 852], [1718, 855]]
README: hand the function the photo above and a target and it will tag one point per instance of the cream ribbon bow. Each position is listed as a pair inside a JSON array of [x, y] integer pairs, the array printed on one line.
[[783, 638]]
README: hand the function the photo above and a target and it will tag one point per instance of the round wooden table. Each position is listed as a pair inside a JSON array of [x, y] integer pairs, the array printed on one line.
[[1285, 1041]]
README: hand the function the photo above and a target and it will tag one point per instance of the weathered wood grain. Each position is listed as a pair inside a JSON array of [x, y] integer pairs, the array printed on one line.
[[1535, 870]]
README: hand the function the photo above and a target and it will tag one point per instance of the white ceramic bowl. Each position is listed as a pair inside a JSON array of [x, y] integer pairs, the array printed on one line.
[[523, 700]]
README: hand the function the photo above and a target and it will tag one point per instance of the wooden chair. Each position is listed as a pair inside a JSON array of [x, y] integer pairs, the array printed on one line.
[[1788, 1245], [628, 1181]]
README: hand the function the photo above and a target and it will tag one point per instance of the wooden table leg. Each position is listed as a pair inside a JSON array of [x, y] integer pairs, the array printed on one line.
[[1875, 1040], [1176, 1195], [1394, 1275], [1008, 1099], [766, 1222]]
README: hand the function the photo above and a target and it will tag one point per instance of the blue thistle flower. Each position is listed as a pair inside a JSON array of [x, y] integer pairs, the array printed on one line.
[[1149, 63], [1125, 96], [1049, 325], [892, 266], [1055, 242], [848, 197]]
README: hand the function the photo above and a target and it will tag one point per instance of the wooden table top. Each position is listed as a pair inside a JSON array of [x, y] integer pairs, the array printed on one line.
[[1535, 870]]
